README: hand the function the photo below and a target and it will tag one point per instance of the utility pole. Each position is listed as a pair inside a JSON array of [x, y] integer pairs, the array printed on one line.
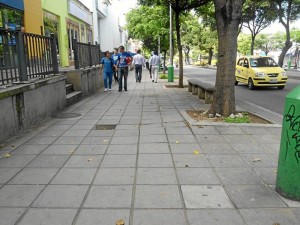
[[159, 53], [171, 68]]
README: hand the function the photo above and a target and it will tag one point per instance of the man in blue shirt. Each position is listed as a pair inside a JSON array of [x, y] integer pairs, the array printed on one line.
[[115, 60], [124, 60]]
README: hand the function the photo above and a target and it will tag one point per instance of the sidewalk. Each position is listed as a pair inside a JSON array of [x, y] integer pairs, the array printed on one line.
[[146, 171]]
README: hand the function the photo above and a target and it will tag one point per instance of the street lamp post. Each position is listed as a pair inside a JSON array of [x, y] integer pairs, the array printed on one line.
[[171, 68]]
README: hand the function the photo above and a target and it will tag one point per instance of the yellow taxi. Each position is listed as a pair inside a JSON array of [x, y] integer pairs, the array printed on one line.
[[259, 71]]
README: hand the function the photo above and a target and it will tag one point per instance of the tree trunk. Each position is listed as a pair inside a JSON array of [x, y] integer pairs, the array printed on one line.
[[252, 44], [210, 55], [177, 22], [228, 15], [164, 64]]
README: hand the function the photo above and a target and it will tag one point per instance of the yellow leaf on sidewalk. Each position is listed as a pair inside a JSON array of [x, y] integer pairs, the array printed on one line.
[[177, 142], [7, 155], [90, 159], [120, 222], [196, 152]]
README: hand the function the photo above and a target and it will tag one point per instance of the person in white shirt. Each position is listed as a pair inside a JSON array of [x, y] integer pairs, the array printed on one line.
[[154, 62], [139, 62]]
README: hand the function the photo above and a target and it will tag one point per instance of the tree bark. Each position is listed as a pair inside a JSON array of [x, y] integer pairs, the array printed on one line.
[[210, 55], [164, 65], [228, 15], [179, 46]]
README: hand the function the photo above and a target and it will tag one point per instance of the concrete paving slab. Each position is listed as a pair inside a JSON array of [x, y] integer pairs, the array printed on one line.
[[82, 127], [19, 195], [230, 130], [185, 148], [228, 160], [268, 175], [49, 161], [41, 140], [215, 217], [84, 161], [190, 160], [59, 149], [178, 131], [86, 122], [9, 216], [161, 216], [48, 217], [210, 138], [256, 130], [162, 138], [156, 176], [124, 140], [174, 138], [151, 130], [217, 148], [115, 176], [157, 197], [248, 148], [126, 133], [61, 126], [34, 176], [155, 160], [266, 139], [238, 176], [7, 173], [253, 196], [122, 149], [16, 161], [101, 133], [260, 160], [67, 140], [65, 196], [197, 176], [76, 133], [205, 196], [29, 149], [75, 176], [261, 216], [154, 148], [119, 161], [109, 197], [90, 150], [51, 133], [96, 140], [240, 139], [102, 216]]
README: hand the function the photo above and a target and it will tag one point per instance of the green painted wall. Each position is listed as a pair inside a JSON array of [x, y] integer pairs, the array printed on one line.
[[60, 9]]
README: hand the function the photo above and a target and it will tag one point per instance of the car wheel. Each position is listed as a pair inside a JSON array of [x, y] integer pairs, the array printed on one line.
[[236, 82], [280, 87], [250, 84]]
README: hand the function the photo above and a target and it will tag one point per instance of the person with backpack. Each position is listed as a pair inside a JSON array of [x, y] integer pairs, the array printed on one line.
[[107, 66], [115, 60]]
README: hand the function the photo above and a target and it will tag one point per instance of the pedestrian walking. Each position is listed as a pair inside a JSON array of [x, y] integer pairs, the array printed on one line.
[[154, 63], [139, 63], [124, 60], [107, 66], [115, 60]]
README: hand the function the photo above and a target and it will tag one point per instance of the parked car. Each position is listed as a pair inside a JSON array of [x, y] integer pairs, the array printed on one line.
[[260, 71]]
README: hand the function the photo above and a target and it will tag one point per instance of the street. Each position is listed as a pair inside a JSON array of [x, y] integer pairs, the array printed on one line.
[[269, 98]]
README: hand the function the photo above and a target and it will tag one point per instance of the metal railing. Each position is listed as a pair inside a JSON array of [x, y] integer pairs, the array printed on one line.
[[86, 55], [24, 56]]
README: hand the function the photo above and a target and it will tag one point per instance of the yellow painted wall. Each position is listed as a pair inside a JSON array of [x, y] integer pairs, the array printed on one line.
[[33, 16]]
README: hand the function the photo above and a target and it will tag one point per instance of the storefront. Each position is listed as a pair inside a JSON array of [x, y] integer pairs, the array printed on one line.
[[11, 14]]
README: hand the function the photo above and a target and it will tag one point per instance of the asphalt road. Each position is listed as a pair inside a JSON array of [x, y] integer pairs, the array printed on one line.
[[271, 98]]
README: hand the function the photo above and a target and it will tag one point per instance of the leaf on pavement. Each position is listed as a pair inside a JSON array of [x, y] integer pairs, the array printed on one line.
[[177, 142], [7, 155], [90, 159], [196, 152], [256, 160], [120, 222], [105, 141]]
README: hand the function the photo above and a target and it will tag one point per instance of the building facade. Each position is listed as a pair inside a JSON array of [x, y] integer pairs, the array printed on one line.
[[69, 19], [108, 31]]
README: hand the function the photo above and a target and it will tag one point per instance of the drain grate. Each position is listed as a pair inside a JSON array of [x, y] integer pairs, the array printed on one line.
[[66, 115], [105, 127]]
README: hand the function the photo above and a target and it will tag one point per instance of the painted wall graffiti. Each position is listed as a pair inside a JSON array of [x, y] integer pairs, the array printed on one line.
[[293, 131]]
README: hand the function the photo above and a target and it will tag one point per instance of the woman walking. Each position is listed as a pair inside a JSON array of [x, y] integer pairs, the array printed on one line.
[[107, 66]]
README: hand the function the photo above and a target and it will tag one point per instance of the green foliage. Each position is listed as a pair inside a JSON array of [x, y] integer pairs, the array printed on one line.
[[244, 119], [165, 76], [147, 24], [271, 42], [50, 26], [244, 44], [295, 35]]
